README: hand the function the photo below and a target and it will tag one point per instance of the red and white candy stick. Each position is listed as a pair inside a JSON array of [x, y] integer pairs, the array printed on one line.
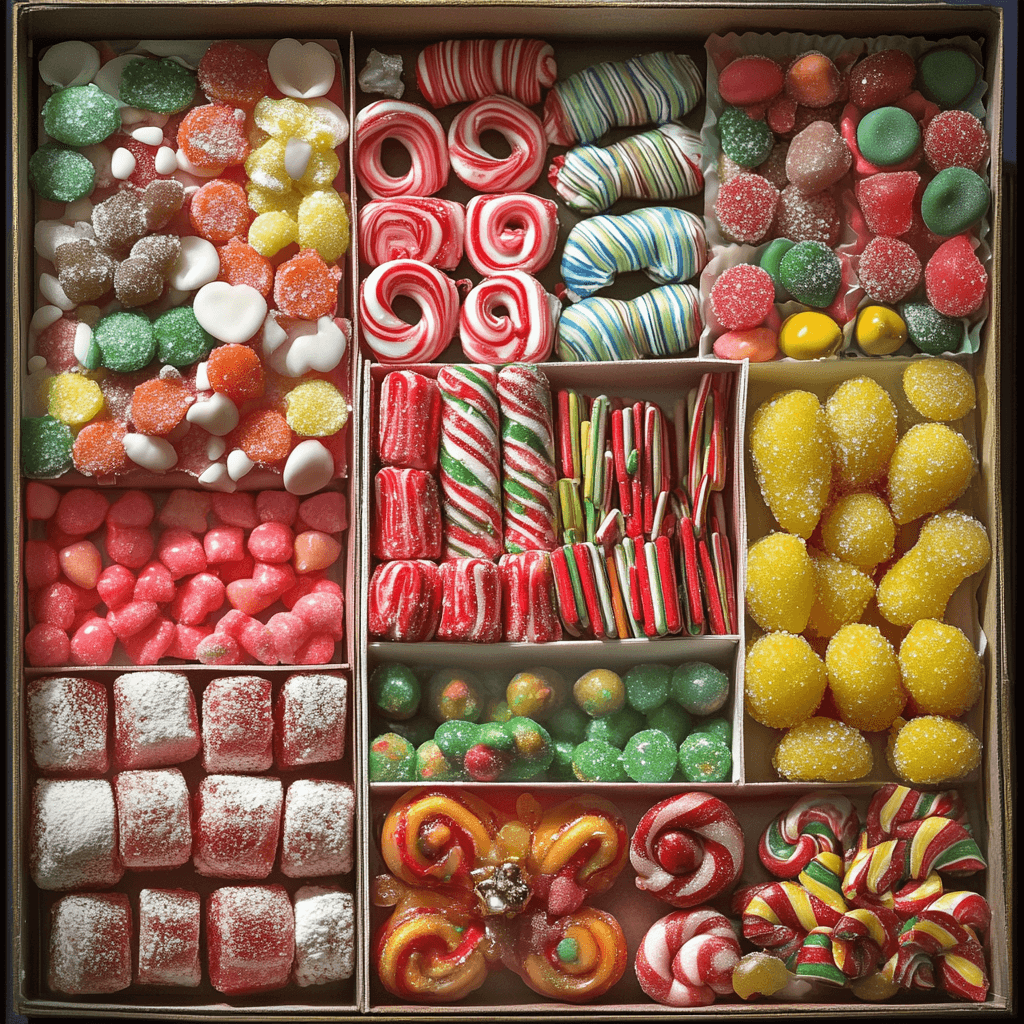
[[508, 318], [412, 227], [407, 514], [471, 601], [528, 598], [405, 600], [415, 129], [522, 130], [510, 231], [410, 421]]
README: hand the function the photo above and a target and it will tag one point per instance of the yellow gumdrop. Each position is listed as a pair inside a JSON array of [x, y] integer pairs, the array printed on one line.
[[322, 166], [875, 987], [879, 331], [290, 118], [269, 233], [823, 750], [784, 680], [789, 443], [933, 750], [780, 583], [858, 529], [265, 167], [316, 409], [265, 200], [864, 677], [951, 547], [759, 974], [324, 224], [809, 335], [939, 389], [930, 468], [842, 592], [862, 424], [940, 668], [73, 399]]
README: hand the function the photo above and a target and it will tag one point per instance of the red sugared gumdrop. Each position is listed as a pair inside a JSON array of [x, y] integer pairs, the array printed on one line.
[[240, 570], [317, 650], [99, 448], [149, 645], [224, 544], [133, 508], [882, 78], [93, 643], [271, 542], [781, 114], [277, 507], [131, 546], [233, 74], [213, 136], [258, 642], [240, 263], [236, 371], [159, 405], [197, 597], [238, 509], [264, 435], [889, 269], [323, 612], [186, 640], [289, 633], [742, 297], [155, 583], [116, 585], [218, 649], [41, 500], [132, 617], [182, 552], [817, 157], [955, 138], [806, 218], [41, 566], [750, 80], [55, 604], [887, 201], [81, 511], [246, 596], [954, 279], [325, 512], [745, 207], [186, 509], [306, 287], [47, 645], [813, 80]]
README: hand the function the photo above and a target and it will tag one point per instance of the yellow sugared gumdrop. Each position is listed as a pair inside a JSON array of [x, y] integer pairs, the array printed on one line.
[[930, 468], [951, 547], [842, 592], [780, 583], [759, 974], [270, 232], [324, 224], [73, 399], [939, 389], [864, 676], [941, 670], [316, 408], [265, 200], [790, 446], [823, 750], [858, 529], [290, 118], [874, 988], [279, 166], [784, 680], [862, 423], [933, 750]]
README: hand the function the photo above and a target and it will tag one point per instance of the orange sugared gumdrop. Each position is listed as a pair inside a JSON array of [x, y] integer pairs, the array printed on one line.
[[306, 287], [233, 74], [99, 448], [264, 435], [214, 136], [813, 80], [235, 371], [240, 263], [220, 210], [158, 405]]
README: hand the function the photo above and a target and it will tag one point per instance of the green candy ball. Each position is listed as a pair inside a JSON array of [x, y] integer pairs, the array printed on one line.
[[60, 173], [771, 261], [125, 341], [392, 759], [164, 85], [745, 141], [45, 447], [672, 720], [560, 769], [494, 735], [650, 756], [81, 115], [647, 686], [455, 737], [395, 691], [702, 758], [180, 339], [597, 761], [717, 728], [616, 728], [700, 688], [888, 136], [569, 723], [811, 273]]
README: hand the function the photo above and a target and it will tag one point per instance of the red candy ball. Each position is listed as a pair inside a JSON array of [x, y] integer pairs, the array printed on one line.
[[889, 269], [750, 80], [954, 279], [955, 138], [745, 207], [880, 79], [742, 297]]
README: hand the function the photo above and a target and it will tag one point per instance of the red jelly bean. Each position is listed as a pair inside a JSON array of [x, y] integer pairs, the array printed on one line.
[[47, 645], [289, 633], [213, 136], [236, 371], [129, 545], [813, 80], [887, 201], [955, 138], [305, 287], [155, 583], [750, 80], [93, 643], [881, 79], [82, 511], [745, 207], [954, 279], [133, 508], [742, 297], [197, 597], [55, 604], [132, 617], [233, 74], [186, 641], [264, 435], [220, 210], [240, 263], [98, 449], [803, 218], [41, 566], [258, 642], [273, 578], [889, 269], [271, 542]]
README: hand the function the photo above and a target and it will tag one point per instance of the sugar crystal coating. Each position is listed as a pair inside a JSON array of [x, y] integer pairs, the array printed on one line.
[[811, 273], [930, 468], [67, 725], [61, 173], [862, 426], [858, 528], [164, 85], [155, 720], [745, 140], [169, 938], [939, 389], [90, 944], [842, 593], [237, 725], [864, 677], [888, 136], [932, 332], [780, 583], [316, 834], [955, 138], [888, 269], [823, 750], [649, 756], [81, 115], [705, 758], [237, 823], [933, 750], [324, 935], [941, 671], [310, 718], [784, 680], [154, 823]]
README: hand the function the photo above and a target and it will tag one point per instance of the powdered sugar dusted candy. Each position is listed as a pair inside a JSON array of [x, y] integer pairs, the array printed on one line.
[[90, 944], [471, 601], [169, 938], [154, 823], [409, 423], [408, 514], [67, 725], [382, 73], [309, 719], [324, 935], [508, 317], [155, 721], [405, 600], [522, 131], [418, 131], [510, 231], [237, 725], [412, 227], [237, 825], [316, 837]]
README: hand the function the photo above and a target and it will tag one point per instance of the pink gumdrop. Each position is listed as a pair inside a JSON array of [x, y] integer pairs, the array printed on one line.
[[83, 616], [271, 542], [240, 570], [258, 642], [133, 508], [273, 578], [955, 138], [237, 509], [315, 551], [155, 583], [41, 565], [303, 585], [47, 644], [132, 617], [326, 512], [55, 604], [116, 586], [131, 546], [742, 297], [186, 640], [197, 597], [817, 157], [323, 612], [181, 551], [954, 279], [85, 597], [889, 269], [186, 510], [233, 622], [219, 649], [81, 511], [317, 650], [149, 645], [59, 538], [224, 544], [807, 218], [56, 344], [246, 596], [81, 563], [745, 207], [277, 507], [749, 80], [289, 633], [887, 201], [781, 114], [41, 500], [93, 643], [759, 345]]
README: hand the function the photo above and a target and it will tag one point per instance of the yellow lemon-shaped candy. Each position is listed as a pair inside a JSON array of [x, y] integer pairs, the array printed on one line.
[[879, 331], [809, 336]]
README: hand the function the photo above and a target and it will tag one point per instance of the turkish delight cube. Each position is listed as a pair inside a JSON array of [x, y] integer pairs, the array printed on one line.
[[154, 821], [67, 725], [238, 725], [309, 717], [169, 938], [155, 721], [324, 935], [237, 825], [316, 839], [90, 943]]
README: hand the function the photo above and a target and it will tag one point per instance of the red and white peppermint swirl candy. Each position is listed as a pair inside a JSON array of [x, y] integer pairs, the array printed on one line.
[[688, 957], [470, 69], [409, 426], [510, 231], [418, 131], [387, 335], [528, 598], [471, 601], [521, 129], [509, 318], [687, 849], [404, 600], [414, 228], [816, 823], [407, 521]]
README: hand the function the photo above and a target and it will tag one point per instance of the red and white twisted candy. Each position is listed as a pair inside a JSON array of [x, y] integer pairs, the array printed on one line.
[[418, 131], [934, 931], [962, 971], [875, 870], [688, 957], [510, 231], [528, 598], [687, 849], [816, 823], [910, 967], [508, 318], [470, 69], [780, 916], [528, 477], [404, 600], [410, 421], [892, 805], [407, 514], [915, 895], [471, 601], [412, 227], [521, 129], [968, 908], [863, 939], [387, 335], [939, 844], [470, 461]]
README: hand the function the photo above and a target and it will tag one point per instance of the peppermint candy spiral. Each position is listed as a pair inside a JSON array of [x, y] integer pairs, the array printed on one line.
[[508, 318], [510, 231], [470, 69], [387, 335], [687, 849], [412, 227], [418, 131], [816, 823], [471, 601], [404, 600], [521, 129]]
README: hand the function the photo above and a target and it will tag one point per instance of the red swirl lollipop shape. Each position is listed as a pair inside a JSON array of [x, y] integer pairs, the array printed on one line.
[[412, 227], [687, 849], [510, 231], [508, 318], [518, 125], [418, 131], [816, 823]]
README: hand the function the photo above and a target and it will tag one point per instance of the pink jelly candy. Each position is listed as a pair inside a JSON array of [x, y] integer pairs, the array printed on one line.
[[325, 512], [315, 551], [237, 725], [219, 649], [197, 597], [271, 542], [151, 644], [224, 544], [67, 725], [316, 836], [322, 612], [309, 719], [528, 598], [55, 604], [887, 201], [954, 279], [317, 650], [277, 507], [41, 566], [132, 618], [92, 643], [237, 825], [758, 344], [889, 269], [409, 421], [807, 218], [41, 500], [405, 600], [154, 823], [881, 79], [155, 583], [181, 551], [131, 546], [185, 641], [256, 639], [169, 938], [47, 645], [750, 80], [470, 601], [155, 721], [817, 157], [81, 511], [408, 514], [186, 510], [745, 207], [742, 297], [133, 508], [955, 138], [90, 944], [288, 633], [237, 509]]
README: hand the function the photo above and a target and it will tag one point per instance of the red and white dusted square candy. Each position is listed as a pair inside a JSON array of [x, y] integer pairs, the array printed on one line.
[[316, 839], [409, 427], [324, 936], [67, 725], [90, 944], [155, 721], [405, 600], [237, 825], [169, 938], [407, 514], [73, 835], [470, 601], [309, 719], [154, 819], [238, 725], [528, 597], [250, 938]]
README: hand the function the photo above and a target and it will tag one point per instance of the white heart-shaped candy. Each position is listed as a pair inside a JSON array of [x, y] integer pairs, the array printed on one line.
[[122, 163], [294, 347], [331, 116], [197, 264], [238, 464], [42, 318], [50, 289], [230, 312], [215, 448], [216, 478], [218, 415], [152, 453], [69, 63], [296, 157], [309, 468], [301, 70]]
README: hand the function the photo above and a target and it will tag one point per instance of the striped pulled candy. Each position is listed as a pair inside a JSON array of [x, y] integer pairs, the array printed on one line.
[[892, 805], [940, 844], [780, 916], [816, 958], [816, 823], [404, 600], [530, 607], [471, 601], [410, 421], [962, 971], [412, 227]]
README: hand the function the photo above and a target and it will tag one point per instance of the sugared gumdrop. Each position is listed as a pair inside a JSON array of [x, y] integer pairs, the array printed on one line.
[[955, 280], [887, 201]]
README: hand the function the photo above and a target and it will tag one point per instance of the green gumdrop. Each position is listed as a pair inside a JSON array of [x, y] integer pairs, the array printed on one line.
[[560, 769], [717, 728], [745, 141], [60, 174], [531, 743], [931, 331], [597, 761], [672, 720], [395, 691], [81, 115], [647, 686], [433, 766], [569, 723], [888, 136], [181, 340], [947, 76], [811, 273], [771, 260], [455, 737], [392, 758], [162, 85], [650, 756], [954, 200], [454, 693], [704, 759], [617, 727], [45, 447], [700, 688], [125, 341]]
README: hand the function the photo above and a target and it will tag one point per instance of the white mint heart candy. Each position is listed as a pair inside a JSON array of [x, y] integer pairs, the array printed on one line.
[[69, 63], [230, 312], [152, 453], [184, 164], [50, 289], [149, 135], [217, 479], [294, 347], [301, 70], [218, 415], [238, 464], [309, 468], [215, 448], [197, 264], [165, 161]]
